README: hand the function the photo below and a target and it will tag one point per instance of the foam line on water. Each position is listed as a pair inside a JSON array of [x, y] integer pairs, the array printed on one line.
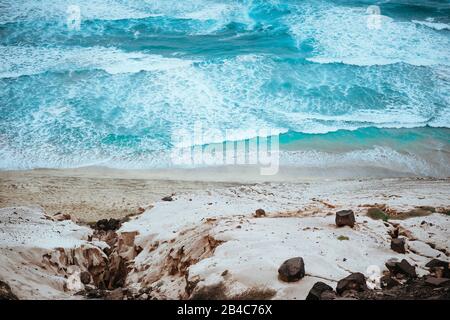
[[377, 157], [433, 25], [342, 34], [18, 61]]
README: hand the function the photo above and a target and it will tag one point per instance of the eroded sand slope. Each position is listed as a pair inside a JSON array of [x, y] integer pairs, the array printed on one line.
[[208, 244]]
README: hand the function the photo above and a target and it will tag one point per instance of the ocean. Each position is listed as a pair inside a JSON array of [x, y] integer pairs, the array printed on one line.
[[115, 83]]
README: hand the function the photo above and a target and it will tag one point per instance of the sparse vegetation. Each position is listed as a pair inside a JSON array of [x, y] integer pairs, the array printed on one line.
[[384, 213], [377, 214]]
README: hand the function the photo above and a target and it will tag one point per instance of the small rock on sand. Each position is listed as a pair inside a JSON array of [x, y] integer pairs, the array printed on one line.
[[64, 216], [398, 245], [292, 270], [260, 213], [345, 218]]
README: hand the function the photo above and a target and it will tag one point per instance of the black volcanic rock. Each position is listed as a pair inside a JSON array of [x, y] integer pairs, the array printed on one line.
[[317, 290], [356, 281], [345, 218], [398, 245], [292, 270]]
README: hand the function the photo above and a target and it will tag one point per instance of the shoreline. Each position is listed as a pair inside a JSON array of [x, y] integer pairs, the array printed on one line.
[[94, 193]]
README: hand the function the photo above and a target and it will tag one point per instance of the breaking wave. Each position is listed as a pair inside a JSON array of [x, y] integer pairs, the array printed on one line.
[[138, 73]]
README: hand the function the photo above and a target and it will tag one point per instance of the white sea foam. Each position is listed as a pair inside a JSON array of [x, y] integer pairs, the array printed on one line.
[[213, 14], [317, 123], [200, 10], [172, 95], [434, 164], [376, 157], [16, 61], [25, 10], [341, 34], [433, 25]]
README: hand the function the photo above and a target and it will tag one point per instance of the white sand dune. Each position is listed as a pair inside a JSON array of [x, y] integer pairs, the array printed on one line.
[[41, 258], [208, 244]]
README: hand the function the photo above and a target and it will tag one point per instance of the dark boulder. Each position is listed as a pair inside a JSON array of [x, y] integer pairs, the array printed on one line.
[[407, 269], [398, 245], [391, 265], [355, 281], [345, 218], [439, 267], [260, 213], [292, 270], [403, 267], [317, 290], [85, 277], [167, 198], [434, 263]]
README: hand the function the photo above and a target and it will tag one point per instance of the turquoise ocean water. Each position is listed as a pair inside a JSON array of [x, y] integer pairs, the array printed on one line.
[[343, 87]]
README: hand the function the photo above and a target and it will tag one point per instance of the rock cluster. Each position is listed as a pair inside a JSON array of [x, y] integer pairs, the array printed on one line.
[[401, 269], [346, 288], [398, 245], [400, 282], [439, 273]]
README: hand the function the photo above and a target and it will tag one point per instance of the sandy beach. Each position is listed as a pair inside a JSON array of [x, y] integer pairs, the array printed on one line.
[[94, 193]]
